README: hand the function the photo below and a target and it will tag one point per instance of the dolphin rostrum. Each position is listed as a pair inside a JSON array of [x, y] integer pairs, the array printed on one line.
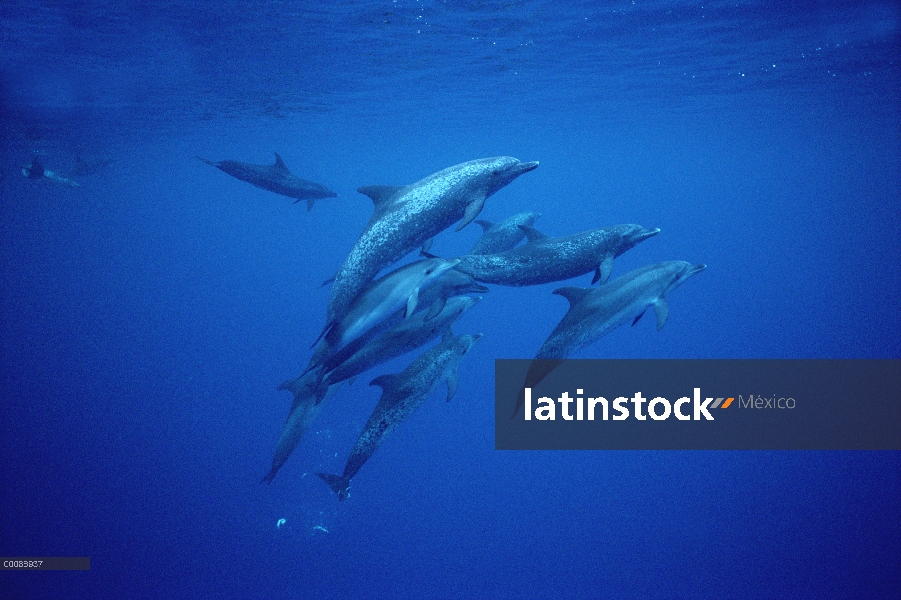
[[406, 336], [402, 394], [274, 178], [545, 259], [594, 312], [503, 236], [406, 217]]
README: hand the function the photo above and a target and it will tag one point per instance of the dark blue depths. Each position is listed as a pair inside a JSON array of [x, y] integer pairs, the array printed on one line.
[[148, 316]]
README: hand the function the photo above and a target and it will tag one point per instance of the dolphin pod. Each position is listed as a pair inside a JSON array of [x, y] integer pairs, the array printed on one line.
[[406, 217], [274, 178], [370, 321], [402, 394]]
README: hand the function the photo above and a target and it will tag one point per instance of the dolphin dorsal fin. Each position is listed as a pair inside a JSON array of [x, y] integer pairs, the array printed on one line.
[[380, 193], [485, 225], [384, 381], [280, 164], [532, 234], [573, 294]]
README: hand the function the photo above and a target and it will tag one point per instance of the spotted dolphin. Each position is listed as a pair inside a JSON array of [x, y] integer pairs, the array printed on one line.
[[545, 259], [406, 336], [309, 398], [402, 393], [274, 178], [406, 217], [499, 237], [594, 312]]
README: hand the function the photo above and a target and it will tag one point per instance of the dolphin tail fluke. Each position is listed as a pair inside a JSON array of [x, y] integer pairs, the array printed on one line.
[[339, 484]]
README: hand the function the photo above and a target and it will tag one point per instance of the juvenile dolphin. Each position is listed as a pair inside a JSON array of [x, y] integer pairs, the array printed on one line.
[[406, 336], [306, 407], [594, 312], [399, 288], [406, 217], [37, 171], [274, 178], [402, 393], [503, 236], [544, 259], [431, 302]]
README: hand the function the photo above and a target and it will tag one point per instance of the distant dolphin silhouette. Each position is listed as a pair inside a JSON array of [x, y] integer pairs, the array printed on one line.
[[37, 171], [274, 178]]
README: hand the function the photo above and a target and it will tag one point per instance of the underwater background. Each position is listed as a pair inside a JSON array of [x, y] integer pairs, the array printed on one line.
[[149, 315]]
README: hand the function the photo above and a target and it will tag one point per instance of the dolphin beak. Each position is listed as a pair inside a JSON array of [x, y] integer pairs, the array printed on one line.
[[525, 167], [642, 236], [694, 269]]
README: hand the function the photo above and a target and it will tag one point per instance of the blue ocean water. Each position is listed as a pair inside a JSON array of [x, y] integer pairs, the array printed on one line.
[[148, 315]]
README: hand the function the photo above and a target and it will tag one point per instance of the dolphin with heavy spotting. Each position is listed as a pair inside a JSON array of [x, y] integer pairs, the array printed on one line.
[[406, 336], [594, 312], [308, 402], [406, 217], [545, 259], [274, 178], [402, 393], [503, 236]]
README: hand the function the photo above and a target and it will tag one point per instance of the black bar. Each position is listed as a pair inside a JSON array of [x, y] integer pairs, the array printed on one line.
[[45, 563]]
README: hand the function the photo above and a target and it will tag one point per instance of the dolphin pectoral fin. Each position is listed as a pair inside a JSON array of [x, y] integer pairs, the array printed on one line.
[[435, 309], [350, 380], [603, 271], [380, 193], [532, 234], [412, 301], [472, 211], [310, 202], [328, 281], [339, 484], [325, 330], [426, 246], [636, 319], [662, 310], [485, 225], [452, 381]]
